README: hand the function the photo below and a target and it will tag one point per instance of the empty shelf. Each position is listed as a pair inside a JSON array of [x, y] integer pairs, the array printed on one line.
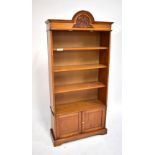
[[79, 106], [79, 86], [78, 67], [79, 48]]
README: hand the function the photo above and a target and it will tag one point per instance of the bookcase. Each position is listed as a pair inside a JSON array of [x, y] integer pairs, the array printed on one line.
[[78, 56]]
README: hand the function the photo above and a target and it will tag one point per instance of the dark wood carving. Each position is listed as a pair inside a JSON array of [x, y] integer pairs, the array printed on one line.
[[83, 19]]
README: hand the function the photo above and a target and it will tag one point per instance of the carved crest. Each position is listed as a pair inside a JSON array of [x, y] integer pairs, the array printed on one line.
[[83, 19]]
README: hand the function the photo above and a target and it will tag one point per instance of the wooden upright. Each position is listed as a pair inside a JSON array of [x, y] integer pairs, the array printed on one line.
[[79, 55]]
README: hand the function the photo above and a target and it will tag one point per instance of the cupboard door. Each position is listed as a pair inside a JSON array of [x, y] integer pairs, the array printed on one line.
[[93, 120], [68, 125]]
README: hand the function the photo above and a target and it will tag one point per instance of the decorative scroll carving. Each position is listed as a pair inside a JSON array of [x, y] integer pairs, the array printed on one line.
[[83, 19]]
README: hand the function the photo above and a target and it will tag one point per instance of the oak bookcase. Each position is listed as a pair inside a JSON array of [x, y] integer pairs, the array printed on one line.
[[79, 54]]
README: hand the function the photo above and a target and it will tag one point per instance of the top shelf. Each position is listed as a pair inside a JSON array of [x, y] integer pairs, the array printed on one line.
[[80, 48]]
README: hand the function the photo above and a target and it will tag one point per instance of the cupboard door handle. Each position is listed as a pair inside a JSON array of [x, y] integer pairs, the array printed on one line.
[[82, 123]]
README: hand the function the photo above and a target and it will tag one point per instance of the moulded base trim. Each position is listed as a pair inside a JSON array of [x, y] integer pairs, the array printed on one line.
[[57, 142]]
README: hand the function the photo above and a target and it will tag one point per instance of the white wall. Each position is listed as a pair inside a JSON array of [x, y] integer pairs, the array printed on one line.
[[102, 10]]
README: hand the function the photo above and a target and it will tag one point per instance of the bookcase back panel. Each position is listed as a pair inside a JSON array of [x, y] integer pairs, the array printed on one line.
[[75, 39], [64, 58], [70, 97], [75, 77]]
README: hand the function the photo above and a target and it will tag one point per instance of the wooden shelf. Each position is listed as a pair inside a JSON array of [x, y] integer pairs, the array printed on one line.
[[79, 106], [79, 86], [79, 48], [78, 67]]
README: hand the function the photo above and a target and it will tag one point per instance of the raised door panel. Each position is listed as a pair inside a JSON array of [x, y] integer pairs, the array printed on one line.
[[93, 120], [68, 125]]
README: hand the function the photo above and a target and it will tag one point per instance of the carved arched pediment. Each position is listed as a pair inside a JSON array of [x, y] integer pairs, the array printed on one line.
[[83, 19]]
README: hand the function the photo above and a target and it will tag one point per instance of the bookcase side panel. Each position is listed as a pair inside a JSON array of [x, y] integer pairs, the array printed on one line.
[[51, 69], [104, 58]]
